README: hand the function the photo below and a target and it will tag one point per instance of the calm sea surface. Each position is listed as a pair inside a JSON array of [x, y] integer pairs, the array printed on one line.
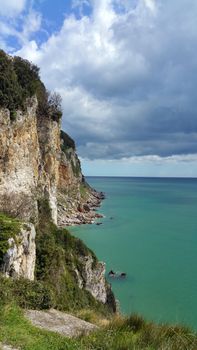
[[149, 232]]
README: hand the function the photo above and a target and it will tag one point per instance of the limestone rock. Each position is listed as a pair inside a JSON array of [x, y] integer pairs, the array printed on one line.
[[92, 278], [38, 163], [19, 261], [60, 322], [7, 347]]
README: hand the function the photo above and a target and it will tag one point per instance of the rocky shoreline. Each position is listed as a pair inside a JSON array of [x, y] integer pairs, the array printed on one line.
[[81, 212]]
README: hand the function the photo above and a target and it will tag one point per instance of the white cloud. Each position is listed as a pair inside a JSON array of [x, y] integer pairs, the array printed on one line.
[[127, 78], [32, 23], [151, 5], [11, 8], [175, 166], [184, 158]]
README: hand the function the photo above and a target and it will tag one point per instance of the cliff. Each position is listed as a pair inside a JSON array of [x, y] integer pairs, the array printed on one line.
[[41, 185], [35, 163]]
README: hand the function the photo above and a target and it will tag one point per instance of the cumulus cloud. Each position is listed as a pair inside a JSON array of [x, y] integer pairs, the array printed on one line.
[[11, 8], [31, 24], [151, 5], [18, 23], [127, 75]]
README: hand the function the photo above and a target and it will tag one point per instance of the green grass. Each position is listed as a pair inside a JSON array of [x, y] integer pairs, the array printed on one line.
[[17, 331], [132, 333], [58, 253]]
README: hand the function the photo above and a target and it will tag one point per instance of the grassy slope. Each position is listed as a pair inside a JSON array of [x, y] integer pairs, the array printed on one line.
[[57, 252], [58, 255], [17, 331], [121, 334]]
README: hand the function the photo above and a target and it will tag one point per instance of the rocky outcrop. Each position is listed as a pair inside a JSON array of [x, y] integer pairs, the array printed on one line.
[[36, 163], [76, 199], [39, 168], [29, 162], [92, 278], [19, 161], [60, 322], [7, 347], [19, 261]]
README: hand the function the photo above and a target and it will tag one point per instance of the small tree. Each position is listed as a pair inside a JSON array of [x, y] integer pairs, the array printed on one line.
[[54, 103]]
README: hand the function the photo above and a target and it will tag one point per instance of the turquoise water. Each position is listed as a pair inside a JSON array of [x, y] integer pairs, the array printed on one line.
[[153, 238]]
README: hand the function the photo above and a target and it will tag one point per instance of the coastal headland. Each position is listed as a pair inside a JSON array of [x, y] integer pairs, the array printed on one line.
[[43, 267]]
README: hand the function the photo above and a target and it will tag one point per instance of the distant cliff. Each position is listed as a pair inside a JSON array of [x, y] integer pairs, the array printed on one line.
[[41, 183]]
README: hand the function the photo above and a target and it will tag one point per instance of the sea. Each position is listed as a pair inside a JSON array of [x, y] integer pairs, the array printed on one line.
[[149, 232]]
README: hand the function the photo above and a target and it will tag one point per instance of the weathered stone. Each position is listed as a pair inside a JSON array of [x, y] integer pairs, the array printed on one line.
[[60, 322], [29, 165], [19, 261], [92, 278], [35, 166], [7, 347]]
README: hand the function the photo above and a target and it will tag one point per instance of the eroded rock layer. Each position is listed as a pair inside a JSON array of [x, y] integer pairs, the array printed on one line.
[[39, 166]]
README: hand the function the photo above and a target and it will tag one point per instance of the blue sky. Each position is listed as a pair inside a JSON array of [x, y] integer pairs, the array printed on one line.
[[126, 71]]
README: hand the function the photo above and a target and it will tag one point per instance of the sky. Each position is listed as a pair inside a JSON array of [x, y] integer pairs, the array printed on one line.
[[127, 74]]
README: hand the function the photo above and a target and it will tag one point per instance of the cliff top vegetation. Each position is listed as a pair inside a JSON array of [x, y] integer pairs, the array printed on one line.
[[20, 80]]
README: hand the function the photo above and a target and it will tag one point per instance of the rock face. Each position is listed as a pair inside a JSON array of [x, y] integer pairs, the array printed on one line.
[[76, 199], [19, 158], [38, 163], [19, 261], [92, 278], [60, 322], [29, 151]]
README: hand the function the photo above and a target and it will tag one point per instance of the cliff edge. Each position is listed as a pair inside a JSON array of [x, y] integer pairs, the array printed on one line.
[[42, 188]]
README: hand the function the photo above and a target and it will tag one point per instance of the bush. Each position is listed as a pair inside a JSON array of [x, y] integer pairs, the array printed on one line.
[[67, 141], [10, 89], [19, 80], [27, 294], [9, 228], [58, 255]]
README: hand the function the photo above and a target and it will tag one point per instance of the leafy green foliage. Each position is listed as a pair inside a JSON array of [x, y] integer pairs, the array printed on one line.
[[68, 146], [9, 228], [20, 80], [67, 141], [27, 294], [10, 89], [58, 255], [28, 76]]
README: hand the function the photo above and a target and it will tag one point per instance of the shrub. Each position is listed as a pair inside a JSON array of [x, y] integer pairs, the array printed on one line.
[[10, 89], [9, 228], [19, 80], [67, 141], [27, 294], [58, 255]]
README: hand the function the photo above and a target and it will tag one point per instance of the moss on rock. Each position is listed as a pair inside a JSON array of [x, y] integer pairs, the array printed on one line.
[[9, 228]]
